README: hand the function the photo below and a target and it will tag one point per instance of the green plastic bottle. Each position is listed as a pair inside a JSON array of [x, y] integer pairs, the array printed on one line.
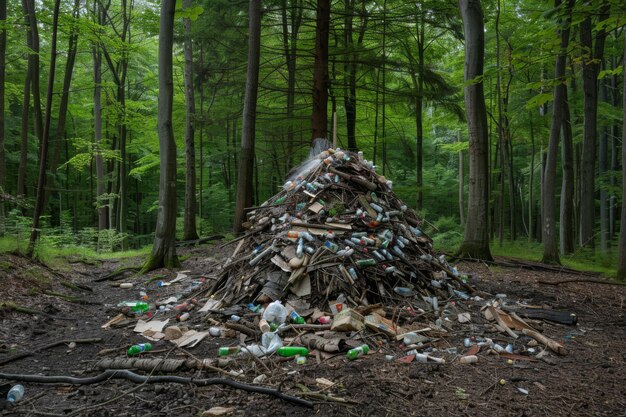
[[288, 351], [228, 350], [139, 348], [358, 351], [136, 306], [296, 318], [366, 262]]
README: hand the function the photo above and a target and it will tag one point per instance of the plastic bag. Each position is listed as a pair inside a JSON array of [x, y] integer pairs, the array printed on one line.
[[275, 313]]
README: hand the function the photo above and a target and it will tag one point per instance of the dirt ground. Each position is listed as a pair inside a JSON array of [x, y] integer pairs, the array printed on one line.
[[589, 381]]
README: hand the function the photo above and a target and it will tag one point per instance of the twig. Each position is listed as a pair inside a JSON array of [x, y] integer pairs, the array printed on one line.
[[140, 379]]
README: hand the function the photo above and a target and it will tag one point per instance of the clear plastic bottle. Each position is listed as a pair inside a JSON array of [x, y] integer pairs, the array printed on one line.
[[139, 348], [358, 351], [15, 393]]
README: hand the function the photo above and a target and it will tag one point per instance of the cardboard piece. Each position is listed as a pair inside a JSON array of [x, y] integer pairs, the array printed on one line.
[[380, 324], [347, 320], [190, 339]]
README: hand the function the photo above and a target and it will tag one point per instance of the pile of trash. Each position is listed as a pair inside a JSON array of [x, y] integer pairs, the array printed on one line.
[[336, 231]]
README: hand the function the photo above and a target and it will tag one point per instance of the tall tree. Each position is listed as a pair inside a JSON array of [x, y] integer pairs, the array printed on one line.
[[291, 28], [591, 58], [319, 119], [164, 248], [3, 48], [566, 226], [548, 207], [64, 102], [476, 238], [246, 159], [97, 122], [189, 221], [43, 146], [621, 263]]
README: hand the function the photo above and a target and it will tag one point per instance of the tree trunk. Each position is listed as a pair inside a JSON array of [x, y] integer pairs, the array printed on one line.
[[461, 185], [290, 44], [531, 181], [65, 94], [591, 66], [189, 228], [246, 159], [21, 170], [33, 65], [550, 249], [605, 239], [164, 247], [3, 48], [621, 263], [319, 119], [476, 239], [97, 126], [566, 229], [419, 99], [43, 148]]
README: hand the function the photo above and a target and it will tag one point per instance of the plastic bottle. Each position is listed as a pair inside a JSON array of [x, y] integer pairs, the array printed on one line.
[[469, 359], [288, 351], [228, 350], [136, 306], [264, 326], [358, 351], [139, 348], [15, 393], [296, 318], [366, 262], [333, 247], [403, 291]]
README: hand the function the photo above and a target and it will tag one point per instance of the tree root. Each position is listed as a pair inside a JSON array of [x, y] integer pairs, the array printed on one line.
[[140, 379]]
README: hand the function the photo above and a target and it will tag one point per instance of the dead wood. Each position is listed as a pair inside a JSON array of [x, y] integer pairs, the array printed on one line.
[[141, 379], [48, 346]]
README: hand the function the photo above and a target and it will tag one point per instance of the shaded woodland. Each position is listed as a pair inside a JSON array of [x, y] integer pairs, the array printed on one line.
[[501, 122]]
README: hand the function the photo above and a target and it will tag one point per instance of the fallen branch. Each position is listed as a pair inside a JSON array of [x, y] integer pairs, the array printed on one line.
[[590, 280], [200, 241], [49, 346], [553, 345], [141, 379], [243, 329], [113, 276]]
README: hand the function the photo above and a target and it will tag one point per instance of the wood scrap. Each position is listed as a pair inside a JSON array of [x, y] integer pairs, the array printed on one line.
[[551, 344]]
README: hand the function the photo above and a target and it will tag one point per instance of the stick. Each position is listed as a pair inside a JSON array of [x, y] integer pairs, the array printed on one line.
[[140, 379], [51, 345], [553, 345], [502, 324]]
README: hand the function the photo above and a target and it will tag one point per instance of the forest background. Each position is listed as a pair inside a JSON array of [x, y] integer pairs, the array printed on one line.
[[85, 76]]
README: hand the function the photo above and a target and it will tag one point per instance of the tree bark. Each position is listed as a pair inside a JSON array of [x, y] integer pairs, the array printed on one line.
[[566, 229], [591, 66], [97, 126], [164, 247], [476, 238], [290, 46], [63, 104], [461, 185], [33, 65], [3, 48], [189, 222], [548, 209], [246, 159], [21, 170], [419, 99], [319, 119], [605, 239], [43, 148], [621, 263]]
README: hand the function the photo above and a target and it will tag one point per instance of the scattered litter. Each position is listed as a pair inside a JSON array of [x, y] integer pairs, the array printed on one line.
[[217, 411]]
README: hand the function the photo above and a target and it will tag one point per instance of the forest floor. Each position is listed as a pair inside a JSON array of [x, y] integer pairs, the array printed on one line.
[[589, 381]]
